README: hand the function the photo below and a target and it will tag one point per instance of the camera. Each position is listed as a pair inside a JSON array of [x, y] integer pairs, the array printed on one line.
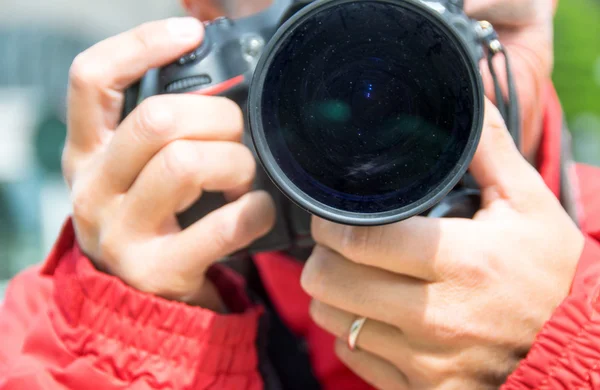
[[362, 112]]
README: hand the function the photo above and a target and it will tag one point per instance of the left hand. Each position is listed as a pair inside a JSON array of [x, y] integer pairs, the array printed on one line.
[[451, 303], [525, 28]]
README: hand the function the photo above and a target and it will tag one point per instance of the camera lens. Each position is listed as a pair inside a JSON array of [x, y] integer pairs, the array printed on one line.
[[366, 112]]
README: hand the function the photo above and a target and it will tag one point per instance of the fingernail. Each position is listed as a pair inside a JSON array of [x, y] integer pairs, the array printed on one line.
[[185, 29]]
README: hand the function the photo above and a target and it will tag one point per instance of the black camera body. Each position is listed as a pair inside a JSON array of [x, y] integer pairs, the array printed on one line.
[[398, 58], [224, 64]]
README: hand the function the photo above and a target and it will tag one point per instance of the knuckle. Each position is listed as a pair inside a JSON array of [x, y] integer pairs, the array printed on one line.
[[235, 113], [245, 161], [451, 325], [475, 272], [155, 118], [83, 72], [178, 163], [237, 228], [109, 248], [83, 207], [436, 369], [439, 324], [316, 313], [314, 275], [356, 241]]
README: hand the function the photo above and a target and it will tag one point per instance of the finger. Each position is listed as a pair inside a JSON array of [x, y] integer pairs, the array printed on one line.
[[372, 369], [418, 247], [159, 121], [498, 165], [377, 338], [180, 172], [99, 74], [365, 291], [226, 230], [504, 12]]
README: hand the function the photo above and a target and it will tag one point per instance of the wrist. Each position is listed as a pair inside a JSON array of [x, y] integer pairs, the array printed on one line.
[[206, 296]]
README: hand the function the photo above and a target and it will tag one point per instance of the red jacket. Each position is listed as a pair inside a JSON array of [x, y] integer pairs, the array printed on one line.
[[66, 325]]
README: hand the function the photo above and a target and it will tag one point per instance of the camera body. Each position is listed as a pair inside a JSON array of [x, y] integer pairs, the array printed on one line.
[[224, 65]]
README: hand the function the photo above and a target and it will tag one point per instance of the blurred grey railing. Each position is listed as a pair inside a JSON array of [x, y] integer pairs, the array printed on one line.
[[35, 59], [39, 57], [38, 41]]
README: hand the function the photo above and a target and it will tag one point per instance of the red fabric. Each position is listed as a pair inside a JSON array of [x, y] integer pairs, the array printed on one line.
[[566, 353], [281, 277], [69, 326], [66, 325], [548, 159]]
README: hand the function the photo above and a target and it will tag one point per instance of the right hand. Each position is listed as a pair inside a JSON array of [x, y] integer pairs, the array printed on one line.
[[128, 180]]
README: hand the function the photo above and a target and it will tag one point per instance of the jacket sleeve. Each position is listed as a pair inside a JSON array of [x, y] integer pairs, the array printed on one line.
[[566, 353], [67, 326]]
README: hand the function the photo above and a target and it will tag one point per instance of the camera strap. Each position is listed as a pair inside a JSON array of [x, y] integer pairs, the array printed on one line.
[[283, 359], [509, 108], [509, 105]]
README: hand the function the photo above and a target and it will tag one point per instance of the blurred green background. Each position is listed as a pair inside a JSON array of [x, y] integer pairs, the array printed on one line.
[[577, 73], [39, 39]]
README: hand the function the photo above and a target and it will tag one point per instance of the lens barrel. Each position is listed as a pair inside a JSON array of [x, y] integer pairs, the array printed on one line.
[[366, 112]]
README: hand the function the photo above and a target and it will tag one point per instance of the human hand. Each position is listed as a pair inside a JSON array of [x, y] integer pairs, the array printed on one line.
[[451, 303], [129, 180], [525, 28]]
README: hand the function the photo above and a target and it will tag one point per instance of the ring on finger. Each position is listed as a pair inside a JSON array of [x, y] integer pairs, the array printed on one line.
[[355, 329]]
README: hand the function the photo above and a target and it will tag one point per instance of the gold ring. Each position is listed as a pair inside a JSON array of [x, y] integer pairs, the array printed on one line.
[[355, 329]]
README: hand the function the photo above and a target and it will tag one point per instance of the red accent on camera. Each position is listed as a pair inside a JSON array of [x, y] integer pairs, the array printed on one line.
[[214, 90]]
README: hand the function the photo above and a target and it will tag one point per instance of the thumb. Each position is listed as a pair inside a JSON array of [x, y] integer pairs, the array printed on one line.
[[498, 166]]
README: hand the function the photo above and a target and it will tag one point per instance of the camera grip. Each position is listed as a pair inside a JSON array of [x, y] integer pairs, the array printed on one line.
[[292, 225]]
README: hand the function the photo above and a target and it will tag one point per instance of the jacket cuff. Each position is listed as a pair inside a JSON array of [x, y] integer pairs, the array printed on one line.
[[127, 330], [566, 353]]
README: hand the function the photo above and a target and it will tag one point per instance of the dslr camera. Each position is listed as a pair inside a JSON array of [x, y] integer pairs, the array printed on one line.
[[362, 112]]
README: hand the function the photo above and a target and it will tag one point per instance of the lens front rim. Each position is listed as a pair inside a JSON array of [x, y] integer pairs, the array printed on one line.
[[305, 201]]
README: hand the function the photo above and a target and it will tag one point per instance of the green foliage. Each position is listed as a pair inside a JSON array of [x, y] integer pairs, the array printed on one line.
[[577, 57]]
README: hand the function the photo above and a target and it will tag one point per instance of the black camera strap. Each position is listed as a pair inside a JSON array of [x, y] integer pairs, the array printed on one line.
[[509, 105], [284, 363]]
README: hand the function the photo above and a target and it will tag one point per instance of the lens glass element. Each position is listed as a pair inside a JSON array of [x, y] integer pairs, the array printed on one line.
[[368, 106]]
